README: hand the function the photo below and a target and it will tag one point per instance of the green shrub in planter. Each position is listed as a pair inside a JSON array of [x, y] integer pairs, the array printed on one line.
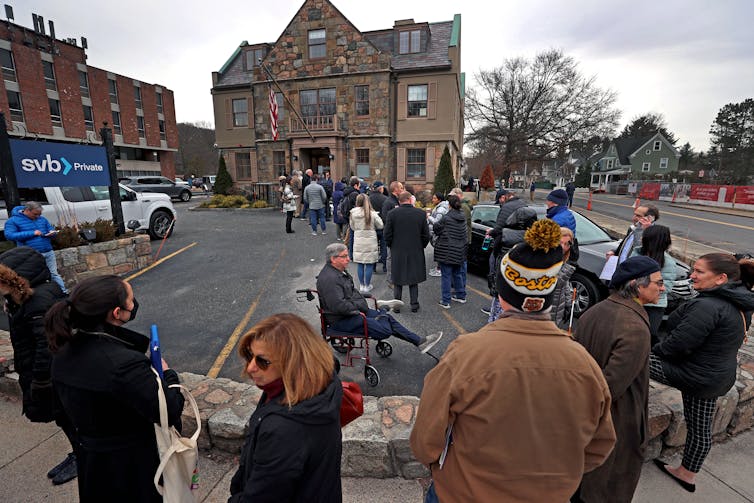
[[260, 204]]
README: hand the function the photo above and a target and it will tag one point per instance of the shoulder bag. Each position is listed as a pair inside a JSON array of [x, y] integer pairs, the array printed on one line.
[[352, 405], [179, 455]]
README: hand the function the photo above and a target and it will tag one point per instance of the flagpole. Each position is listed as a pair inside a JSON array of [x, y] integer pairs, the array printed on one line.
[[292, 107]]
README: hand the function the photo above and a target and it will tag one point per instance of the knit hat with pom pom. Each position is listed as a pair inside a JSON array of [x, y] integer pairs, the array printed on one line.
[[528, 273]]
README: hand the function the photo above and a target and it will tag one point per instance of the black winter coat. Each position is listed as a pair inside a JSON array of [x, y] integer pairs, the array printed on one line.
[[292, 455], [407, 234], [109, 391], [337, 294], [451, 238], [31, 356], [506, 210], [387, 206], [699, 354]]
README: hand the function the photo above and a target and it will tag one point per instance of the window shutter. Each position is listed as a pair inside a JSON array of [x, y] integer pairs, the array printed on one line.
[[432, 100], [429, 159], [254, 170], [401, 175], [228, 113], [402, 103], [250, 113]]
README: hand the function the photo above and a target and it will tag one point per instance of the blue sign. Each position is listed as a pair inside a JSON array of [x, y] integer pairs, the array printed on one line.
[[51, 164]]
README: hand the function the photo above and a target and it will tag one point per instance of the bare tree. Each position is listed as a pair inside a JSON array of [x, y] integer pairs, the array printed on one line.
[[533, 109], [196, 154]]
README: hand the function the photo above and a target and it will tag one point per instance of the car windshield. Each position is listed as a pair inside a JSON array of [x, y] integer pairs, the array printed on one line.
[[486, 215]]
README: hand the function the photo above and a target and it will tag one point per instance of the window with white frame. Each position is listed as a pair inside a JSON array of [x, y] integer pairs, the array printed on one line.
[[116, 122], [88, 118], [278, 162], [159, 103], [409, 41], [657, 145], [16, 109], [646, 166], [162, 130], [416, 162], [112, 89], [137, 97], [362, 100], [610, 163], [140, 126], [664, 163], [55, 116], [243, 165], [417, 100], [240, 113], [84, 84], [49, 73], [317, 44], [318, 103], [9, 66], [362, 162], [253, 57]]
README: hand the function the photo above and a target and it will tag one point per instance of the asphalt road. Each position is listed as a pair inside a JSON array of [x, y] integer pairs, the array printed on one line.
[[234, 268], [720, 232]]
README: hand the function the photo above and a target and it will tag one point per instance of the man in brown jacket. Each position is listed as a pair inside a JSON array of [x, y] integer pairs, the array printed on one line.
[[621, 348], [517, 411]]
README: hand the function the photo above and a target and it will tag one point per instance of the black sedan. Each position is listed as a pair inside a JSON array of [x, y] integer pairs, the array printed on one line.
[[594, 243], [158, 184]]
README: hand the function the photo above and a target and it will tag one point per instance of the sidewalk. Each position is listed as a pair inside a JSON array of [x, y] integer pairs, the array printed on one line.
[[29, 450]]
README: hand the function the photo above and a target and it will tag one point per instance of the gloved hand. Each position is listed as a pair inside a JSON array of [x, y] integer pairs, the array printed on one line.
[[41, 404]]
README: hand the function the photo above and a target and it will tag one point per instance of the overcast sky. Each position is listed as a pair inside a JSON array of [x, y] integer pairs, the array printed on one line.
[[682, 58]]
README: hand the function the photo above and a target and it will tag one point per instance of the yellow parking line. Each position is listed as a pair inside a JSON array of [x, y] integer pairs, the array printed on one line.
[[455, 324], [666, 212], [163, 259], [233, 339], [479, 292]]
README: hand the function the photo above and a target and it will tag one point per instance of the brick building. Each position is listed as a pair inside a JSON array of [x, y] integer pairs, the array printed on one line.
[[50, 93], [381, 104]]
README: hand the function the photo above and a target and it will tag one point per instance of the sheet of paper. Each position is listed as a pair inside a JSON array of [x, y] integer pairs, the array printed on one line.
[[609, 269]]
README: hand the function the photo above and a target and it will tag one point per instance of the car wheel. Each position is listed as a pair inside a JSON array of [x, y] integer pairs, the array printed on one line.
[[159, 224], [185, 196], [587, 293]]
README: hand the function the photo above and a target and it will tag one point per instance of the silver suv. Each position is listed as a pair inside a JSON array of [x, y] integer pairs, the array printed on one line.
[[157, 184]]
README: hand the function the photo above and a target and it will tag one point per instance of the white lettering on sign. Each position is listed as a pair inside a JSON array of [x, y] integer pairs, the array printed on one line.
[[47, 164], [88, 167]]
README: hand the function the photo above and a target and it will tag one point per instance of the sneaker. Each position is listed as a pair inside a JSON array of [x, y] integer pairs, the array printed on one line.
[[323, 233], [444, 305], [458, 299], [435, 272], [56, 469], [68, 472], [368, 288], [429, 342], [486, 310], [361, 288], [393, 304], [314, 233]]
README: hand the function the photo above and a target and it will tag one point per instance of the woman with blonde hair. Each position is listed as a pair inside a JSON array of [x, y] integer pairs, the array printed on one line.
[[562, 296], [364, 222], [293, 448]]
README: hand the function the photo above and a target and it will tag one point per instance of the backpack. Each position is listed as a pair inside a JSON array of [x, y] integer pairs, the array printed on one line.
[[344, 207]]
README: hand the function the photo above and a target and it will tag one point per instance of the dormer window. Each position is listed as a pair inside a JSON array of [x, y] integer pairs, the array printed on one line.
[[409, 41], [253, 57], [317, 45]]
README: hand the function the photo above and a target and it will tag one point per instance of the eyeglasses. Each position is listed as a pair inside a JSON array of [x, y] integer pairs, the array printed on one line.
[[341, 256], [659, 282], [262, 363]]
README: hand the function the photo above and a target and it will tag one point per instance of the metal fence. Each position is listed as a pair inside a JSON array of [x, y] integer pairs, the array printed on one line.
[[262, 191]]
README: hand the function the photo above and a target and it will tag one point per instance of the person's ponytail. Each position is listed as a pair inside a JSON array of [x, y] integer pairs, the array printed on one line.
[[747, 272], [58, 325]]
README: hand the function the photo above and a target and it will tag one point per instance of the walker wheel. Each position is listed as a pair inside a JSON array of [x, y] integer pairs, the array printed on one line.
[[384, 349], [371, 375]]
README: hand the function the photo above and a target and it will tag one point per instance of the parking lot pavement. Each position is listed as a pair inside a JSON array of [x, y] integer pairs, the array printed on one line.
[[244, 267]]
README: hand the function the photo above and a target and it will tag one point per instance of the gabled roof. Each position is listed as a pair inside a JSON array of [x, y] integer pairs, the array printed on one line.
[[629, 145]]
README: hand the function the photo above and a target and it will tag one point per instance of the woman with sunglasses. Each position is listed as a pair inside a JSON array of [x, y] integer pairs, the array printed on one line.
[[699, 354], [109, 391], [655, 243], [293, 448]]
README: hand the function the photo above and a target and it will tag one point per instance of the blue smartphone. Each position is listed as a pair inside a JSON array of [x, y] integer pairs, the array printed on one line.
[[154, 351]]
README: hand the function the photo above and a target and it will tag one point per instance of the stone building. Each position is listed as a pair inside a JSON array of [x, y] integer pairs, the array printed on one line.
[[49, 92], [381, 104]]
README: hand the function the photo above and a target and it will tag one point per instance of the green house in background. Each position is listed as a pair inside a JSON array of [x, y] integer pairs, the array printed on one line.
[[637, 158]]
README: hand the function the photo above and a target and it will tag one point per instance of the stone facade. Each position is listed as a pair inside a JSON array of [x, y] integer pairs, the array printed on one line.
[[119, 256]]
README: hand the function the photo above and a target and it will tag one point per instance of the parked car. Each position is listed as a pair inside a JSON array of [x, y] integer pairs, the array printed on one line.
[[157, 184], [594, 242], [68, 205]]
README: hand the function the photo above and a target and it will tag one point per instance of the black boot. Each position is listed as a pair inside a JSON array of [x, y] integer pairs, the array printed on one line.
[[68, 472]]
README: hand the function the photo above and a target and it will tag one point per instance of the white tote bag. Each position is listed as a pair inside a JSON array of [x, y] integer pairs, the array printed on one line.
[[179, 455]]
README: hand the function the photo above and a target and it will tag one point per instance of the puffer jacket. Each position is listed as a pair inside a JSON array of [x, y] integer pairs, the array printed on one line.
[[32, 358], [20, 228], [436, 215], [562, 216], [366, 248], [506, 210], [288, 194], [451, 238], [699, 354]]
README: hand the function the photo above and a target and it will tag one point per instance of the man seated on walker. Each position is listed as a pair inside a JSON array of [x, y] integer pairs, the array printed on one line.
[[342, 303]]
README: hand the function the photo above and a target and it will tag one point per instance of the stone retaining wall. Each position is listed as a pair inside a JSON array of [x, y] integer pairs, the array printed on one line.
[[118, 256], [376, 444]]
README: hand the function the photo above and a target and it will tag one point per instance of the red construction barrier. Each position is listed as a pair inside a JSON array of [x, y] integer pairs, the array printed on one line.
[[704, 192], [650, 191], [745, 194]]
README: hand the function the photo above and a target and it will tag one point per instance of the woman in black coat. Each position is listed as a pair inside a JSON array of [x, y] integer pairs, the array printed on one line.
[[28, 291], [699, 354], [293, 448], [108, 389], [450, 252]]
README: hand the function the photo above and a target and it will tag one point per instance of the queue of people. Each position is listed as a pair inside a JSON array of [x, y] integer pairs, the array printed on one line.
[[595, 384]]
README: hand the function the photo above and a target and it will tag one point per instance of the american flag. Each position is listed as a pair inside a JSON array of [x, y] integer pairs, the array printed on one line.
[[273, 115]]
